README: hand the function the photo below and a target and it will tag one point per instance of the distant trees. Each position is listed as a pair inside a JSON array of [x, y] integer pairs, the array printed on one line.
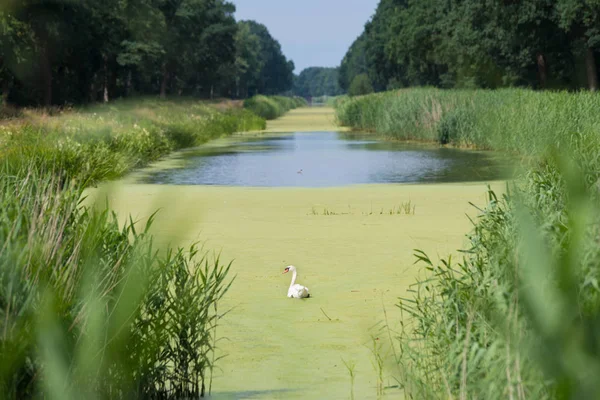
[[317, 82], [262, 67], [478, 43], [63, 51]]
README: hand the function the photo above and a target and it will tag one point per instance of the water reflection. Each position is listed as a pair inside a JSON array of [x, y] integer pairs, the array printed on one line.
[[328, 159]]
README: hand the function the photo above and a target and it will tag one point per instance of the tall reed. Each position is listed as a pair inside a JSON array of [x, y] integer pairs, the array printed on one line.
[[517, 315], [89, 308], [514, 120], [105, 142]]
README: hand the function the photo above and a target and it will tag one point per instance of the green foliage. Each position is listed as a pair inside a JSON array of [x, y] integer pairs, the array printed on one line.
[[517, 314], [354, 63], [90, 308], [105, 142], [318, 82], [477, 44], [271, 107], [360, 86], [268, 71], [507, 119], [75, 52]]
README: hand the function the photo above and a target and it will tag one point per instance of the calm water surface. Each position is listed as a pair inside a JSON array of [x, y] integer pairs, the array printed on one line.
[[325, 159]]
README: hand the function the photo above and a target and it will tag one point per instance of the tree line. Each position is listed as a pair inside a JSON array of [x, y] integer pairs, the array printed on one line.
[[80, 51], [317, 82], [542, 44]]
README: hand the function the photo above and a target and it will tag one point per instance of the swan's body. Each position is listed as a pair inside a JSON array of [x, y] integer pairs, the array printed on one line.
[[296, 291]]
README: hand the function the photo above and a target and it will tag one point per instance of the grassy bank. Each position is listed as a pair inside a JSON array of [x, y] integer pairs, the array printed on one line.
[[515, 120], [272, 107], [517, 316], [107, 141], [88, 305]]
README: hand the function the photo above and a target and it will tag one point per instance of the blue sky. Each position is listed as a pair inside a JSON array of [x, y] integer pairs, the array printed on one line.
[[311, 32]]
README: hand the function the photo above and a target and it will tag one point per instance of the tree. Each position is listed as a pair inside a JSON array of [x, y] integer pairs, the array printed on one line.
[[318, 81], [277, 72], [354, 63], [581, 20], [77, 51], [475, 43], [248, 63], [361, 85]]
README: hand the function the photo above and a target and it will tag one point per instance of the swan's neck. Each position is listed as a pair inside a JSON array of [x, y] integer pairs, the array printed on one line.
[[293, 278]]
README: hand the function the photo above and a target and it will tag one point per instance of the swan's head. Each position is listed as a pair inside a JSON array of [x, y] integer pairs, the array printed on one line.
[[289, 268]]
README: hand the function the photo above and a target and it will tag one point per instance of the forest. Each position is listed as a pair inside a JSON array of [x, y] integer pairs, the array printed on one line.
[[318, 81], [61, 52], [539, 44]]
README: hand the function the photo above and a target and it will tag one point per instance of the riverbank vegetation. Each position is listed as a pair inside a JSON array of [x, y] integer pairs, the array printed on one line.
[[517, 315], [90, 306], [64, 52], [272, 107], [518, 121], [473, 43], [106, 141]]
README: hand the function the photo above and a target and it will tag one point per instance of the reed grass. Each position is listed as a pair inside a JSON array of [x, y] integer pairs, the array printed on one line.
[[90, 308], [351, 368], [516, 316], [105, 142], [518, 121]]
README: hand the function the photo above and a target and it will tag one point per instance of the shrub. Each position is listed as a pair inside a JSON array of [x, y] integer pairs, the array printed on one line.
[[271, 107]]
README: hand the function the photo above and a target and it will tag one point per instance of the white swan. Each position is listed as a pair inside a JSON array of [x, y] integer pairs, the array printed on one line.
[[296, 291]]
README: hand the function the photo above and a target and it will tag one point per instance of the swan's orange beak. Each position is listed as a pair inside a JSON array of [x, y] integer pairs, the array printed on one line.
[[286, 271]]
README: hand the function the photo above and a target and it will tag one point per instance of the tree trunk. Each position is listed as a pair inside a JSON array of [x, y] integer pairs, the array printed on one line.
[[5, 84], [113, 76], [592, 70], [46, 72], [212, 91], [128, 84], [105, 96], [93, 94], [5, 91], [542, 70], [165, 82]]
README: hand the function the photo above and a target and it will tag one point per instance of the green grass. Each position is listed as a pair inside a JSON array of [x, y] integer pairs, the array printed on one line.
[[90, 308], [514, 120], [105, 142], [517, 315], [272, 107]]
